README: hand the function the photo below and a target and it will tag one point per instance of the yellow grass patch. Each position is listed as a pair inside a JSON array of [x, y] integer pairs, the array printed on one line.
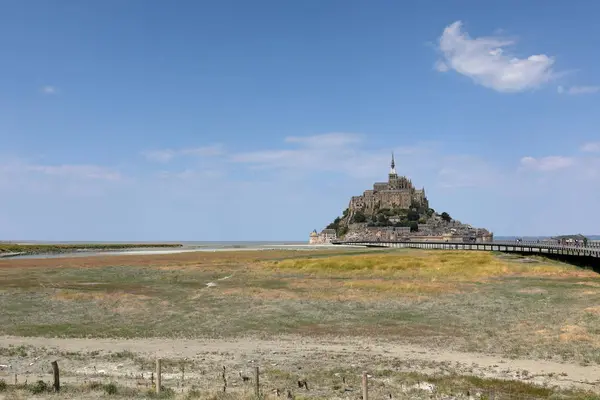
[[428, 265], [573, 333], [403, 287], [593, 310]]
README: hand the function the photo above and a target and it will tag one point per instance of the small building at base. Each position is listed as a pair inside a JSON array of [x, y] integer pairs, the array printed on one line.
[[326, 236]]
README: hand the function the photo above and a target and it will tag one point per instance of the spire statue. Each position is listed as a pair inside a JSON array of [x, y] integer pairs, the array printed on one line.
[[393, 166]]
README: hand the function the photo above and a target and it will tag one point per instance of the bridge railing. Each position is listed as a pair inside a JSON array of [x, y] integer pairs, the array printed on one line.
[[571, 247]]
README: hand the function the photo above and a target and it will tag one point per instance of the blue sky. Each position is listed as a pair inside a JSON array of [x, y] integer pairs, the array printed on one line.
[[235, 120]]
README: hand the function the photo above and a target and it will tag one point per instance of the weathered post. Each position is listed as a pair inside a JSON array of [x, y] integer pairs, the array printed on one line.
[[365, 386], [257, 382], [56, 376], [158, 375]]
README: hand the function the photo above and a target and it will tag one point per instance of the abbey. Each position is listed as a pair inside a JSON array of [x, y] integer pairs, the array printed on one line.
[[396, 210], [397, 192]]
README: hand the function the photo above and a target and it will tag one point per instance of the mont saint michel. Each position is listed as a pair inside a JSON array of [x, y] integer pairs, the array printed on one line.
[[396, 210]]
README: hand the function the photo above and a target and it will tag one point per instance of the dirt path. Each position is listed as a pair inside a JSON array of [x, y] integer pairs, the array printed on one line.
[[319, 354]]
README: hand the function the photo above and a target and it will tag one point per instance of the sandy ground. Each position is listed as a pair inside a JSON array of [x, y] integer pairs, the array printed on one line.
[[294, 354]]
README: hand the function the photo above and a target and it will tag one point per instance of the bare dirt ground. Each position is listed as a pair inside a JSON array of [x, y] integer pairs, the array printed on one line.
[[197, 364], [293, 352]]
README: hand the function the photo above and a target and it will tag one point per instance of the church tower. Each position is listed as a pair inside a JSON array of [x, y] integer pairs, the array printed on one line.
[[393, 181], [393, 173]]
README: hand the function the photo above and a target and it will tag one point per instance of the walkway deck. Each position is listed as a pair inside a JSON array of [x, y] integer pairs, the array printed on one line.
[[592, 250]]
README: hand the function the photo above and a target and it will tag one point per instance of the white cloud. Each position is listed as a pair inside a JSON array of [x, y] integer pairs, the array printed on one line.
[[574, 90], [592, 147], [485, 61], [547, 164], [166, 155], [49, 90]]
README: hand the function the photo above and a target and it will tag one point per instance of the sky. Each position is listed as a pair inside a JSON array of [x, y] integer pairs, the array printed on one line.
[[236, 120]]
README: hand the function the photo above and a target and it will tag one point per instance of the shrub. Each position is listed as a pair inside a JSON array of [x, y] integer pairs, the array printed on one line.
[[110, 388], [39, 387], [2, 385]]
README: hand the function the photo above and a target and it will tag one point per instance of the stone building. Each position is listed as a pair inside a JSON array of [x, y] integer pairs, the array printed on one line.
[[397, 192], [326, 236]]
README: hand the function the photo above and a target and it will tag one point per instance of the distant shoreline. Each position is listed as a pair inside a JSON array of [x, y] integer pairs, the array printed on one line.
[[123, 249], [8, 249]]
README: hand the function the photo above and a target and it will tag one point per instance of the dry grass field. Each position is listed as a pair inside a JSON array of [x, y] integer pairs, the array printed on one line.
[[442, 302]]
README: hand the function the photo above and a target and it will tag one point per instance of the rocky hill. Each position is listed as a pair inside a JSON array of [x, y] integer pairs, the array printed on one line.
[[396, 209]]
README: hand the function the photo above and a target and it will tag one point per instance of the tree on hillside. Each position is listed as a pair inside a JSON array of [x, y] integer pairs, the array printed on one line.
[[414, 227], [341, 232], [359, 217], [413, 215], [335, 224], [446, 217]]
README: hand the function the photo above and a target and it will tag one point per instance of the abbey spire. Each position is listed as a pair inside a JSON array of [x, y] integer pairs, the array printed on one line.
[[393, 166]]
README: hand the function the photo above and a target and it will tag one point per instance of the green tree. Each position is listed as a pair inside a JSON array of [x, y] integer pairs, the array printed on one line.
[[414, 227], [446, 217], [335, 224], [382, 219], [413, 215], [359, 217], [346, 211], [430, 212], [341, 232], [585, 241]]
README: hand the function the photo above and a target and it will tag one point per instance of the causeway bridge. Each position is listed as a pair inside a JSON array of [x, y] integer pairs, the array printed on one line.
[[590, 251]]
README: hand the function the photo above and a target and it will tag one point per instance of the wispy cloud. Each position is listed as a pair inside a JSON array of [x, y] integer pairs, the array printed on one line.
[[166, 155], [327, 140], [468, 171], [162, 156], [49, 89], [592, 147], [331, 152], [486, 62], [574, 90], [189, 173], [547, 164], [93, 172]]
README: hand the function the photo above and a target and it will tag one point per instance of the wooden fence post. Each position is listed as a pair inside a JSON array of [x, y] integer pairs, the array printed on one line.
[[56, 376], [257, 382], [365, 386], [158, 376]]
